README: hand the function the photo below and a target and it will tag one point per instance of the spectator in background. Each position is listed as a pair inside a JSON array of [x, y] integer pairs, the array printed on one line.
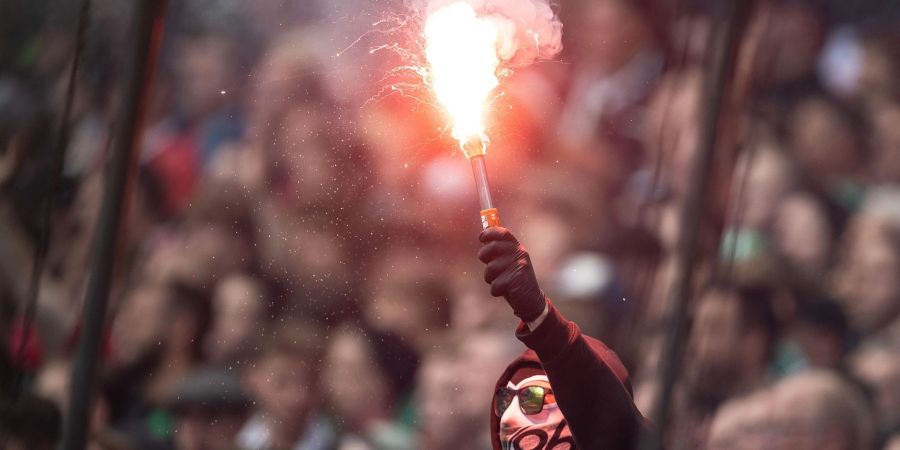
[[452, 385], [136, 335], [439, 405], [732, 338], [195, 253], [769, 177], [52, 383], [885, 140], [781, 46], [807, 411], [818, 409], [608, 83], [156, 341], [822, 332], [804, 235], [239, 305], [866, 279], [825, 136], [740, 423], [206, 114], [877, 366], [367, 381], [480, 354], [209, 406], [30, 423], [731, 342], [283, 379], [409, 296]]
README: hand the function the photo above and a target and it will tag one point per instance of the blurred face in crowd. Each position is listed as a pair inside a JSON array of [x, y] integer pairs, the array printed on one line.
[[407, 297], [866, 279], [284, 387], [52, 383], [671, 131], [385, 136], [803, 233], [482, 353], [893, 442], [768, 180], [238, 305], [878, 72], [200, 429], [69, 253], [440, 404], [204, 73], [196, 254], [825, 144], [879, 369], [781, 44], [549, 241], [886, 141], [469, 311], [354, 385], [396, 307], [301, 150], [610, 33], [715, 331], [722, 354], [139, 324]]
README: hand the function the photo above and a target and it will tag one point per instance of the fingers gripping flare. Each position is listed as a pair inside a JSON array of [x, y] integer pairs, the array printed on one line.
[[510, 273]]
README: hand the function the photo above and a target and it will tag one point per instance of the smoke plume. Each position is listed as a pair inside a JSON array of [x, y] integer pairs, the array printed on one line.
[[528, 29]]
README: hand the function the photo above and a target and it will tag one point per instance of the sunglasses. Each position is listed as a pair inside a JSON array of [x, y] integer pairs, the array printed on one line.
[[531, 399]]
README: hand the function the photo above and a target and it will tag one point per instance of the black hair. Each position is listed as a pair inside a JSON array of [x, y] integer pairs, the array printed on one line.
[[396, 358], [755, 309], [825, 314], [34, 422]]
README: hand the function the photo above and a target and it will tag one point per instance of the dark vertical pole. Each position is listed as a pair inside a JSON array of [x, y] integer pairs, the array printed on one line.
[[138, 72], [723, 55]]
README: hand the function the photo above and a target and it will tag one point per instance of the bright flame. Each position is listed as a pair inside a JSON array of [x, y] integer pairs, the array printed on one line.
[[461, 49]]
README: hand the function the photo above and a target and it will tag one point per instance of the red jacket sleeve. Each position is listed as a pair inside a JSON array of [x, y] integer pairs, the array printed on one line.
[[589, 381]]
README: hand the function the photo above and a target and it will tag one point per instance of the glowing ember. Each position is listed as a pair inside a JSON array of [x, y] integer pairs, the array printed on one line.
[[461, 49]]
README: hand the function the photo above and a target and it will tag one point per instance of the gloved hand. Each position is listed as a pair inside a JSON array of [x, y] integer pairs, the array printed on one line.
[[510, 273]]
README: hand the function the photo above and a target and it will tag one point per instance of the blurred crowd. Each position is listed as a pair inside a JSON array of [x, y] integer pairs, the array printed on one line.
[[298, 269]]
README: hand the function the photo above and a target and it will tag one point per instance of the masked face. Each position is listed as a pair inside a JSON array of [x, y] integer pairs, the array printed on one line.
[[543, 430]]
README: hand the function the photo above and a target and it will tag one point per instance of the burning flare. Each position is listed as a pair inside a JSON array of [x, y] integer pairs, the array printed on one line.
[[461, 51], [467, 43]]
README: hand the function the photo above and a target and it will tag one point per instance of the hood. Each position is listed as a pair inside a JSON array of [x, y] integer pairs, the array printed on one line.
[[530, 358]]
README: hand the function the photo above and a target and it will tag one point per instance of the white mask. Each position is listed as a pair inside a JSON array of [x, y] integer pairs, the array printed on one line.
[[546, 430]]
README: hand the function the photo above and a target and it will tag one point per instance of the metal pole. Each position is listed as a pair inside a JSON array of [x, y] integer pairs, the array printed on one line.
[[149, 16], [721, 66]]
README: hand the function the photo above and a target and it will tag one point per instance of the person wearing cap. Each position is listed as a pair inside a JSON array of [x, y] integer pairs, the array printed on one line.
[[567, 390]]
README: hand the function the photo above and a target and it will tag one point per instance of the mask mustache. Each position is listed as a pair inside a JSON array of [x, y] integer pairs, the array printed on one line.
[[546, 437]]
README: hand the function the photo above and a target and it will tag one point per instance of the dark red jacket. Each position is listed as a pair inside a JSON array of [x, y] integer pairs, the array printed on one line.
[[588, 379]]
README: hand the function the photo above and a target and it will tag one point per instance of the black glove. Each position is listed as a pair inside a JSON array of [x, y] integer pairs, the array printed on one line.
[[510, 273]]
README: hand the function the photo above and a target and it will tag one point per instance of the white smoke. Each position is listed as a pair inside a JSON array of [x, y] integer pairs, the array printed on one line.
[[529, 29]]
